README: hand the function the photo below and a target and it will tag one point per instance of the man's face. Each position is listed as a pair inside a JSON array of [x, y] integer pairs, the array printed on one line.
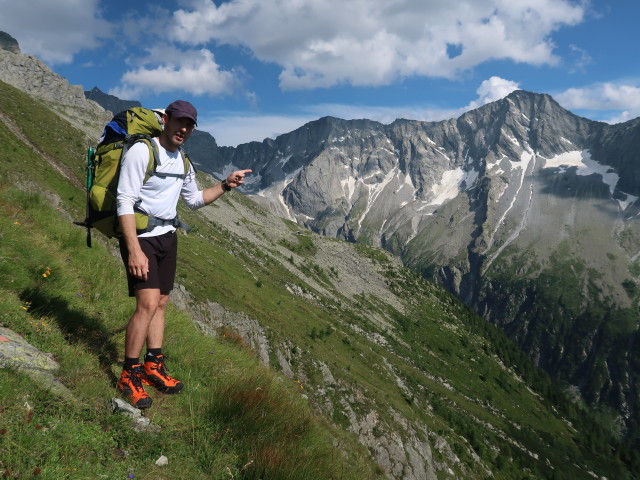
[[176, 132]]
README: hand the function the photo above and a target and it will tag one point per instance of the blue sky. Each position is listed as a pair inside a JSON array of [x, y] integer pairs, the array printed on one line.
[[258, 68]]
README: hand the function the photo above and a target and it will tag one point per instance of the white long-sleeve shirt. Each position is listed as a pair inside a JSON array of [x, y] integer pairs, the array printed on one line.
[[159, 195]]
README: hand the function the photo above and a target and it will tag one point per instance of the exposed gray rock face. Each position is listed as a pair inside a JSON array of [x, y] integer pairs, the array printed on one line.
[[211, 317], [8, 43], [492, 205], [18, 354], [201, 147], [110, 102], [31, 75]]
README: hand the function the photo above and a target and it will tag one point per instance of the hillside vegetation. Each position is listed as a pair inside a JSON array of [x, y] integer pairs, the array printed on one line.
[[304, 357]]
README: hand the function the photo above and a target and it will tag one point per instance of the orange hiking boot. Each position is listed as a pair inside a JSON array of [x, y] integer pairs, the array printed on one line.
[[130, 385], [156, 375]]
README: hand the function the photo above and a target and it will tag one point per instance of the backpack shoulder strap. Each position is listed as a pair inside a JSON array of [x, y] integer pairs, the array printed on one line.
[[153, 152], [187, 162], [154, 155]]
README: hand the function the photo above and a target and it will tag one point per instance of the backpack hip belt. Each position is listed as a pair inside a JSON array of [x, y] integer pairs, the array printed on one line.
[[154, 222]]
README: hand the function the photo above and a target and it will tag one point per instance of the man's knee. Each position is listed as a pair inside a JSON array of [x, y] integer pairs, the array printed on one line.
[[164, 301], [148, 300]]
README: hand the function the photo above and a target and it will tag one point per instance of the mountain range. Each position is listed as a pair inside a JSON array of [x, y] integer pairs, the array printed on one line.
[[525, 211], [519, 208]]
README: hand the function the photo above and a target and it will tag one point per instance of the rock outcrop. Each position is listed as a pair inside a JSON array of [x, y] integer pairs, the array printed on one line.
[[110, 102], [18, 354], [31, 75], [8, 43]]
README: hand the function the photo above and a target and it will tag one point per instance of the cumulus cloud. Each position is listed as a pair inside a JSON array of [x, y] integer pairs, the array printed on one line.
[[491, 90], [608, 96], [235, 128], [54, 31], [372, 43], [169, 69]]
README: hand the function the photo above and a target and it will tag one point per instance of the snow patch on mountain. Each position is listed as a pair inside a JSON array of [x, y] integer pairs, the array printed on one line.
[[451, 184], [276, 190], [585, 166], [511, 138], [349, 187], [495, 167], [283, 161], [525, 160], [375, 190], [628, 200]]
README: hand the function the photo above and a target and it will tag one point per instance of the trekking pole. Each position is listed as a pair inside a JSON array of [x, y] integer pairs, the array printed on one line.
[[91, 153]]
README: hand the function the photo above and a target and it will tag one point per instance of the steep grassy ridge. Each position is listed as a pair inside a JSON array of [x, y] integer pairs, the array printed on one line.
[[574, 331], [238, 420]]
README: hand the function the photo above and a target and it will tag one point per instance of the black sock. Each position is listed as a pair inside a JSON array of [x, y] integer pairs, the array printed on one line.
[[154, 352], [130, 362]]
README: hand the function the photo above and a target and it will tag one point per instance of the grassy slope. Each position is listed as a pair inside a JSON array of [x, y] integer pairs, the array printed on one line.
[[238, 419], [439, 366]]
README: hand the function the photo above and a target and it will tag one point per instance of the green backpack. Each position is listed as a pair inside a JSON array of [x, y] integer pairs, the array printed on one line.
[[103, 170]]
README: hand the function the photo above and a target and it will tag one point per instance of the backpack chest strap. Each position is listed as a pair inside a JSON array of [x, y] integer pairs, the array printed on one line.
[[155, 173]]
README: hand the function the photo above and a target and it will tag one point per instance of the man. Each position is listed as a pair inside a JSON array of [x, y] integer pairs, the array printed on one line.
[[150, 257]]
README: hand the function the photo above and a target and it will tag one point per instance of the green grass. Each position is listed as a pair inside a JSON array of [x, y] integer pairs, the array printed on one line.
[[237, 419], [303, 247]]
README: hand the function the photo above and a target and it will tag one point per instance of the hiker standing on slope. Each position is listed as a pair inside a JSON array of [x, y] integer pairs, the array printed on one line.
[[150, 257]]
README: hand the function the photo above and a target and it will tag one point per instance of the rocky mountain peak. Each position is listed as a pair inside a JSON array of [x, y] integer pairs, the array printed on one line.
[[8, 43], [110, 102], [33, 76], [525, 121]]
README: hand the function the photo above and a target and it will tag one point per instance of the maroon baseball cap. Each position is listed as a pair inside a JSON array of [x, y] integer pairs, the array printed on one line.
[[183, 109]]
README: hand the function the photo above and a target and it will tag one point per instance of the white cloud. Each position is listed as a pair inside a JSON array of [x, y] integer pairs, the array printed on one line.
[[582, 59], [168, 70], [620, 97], [54, 31], [235, 128], [491, 90], [374, 42]]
